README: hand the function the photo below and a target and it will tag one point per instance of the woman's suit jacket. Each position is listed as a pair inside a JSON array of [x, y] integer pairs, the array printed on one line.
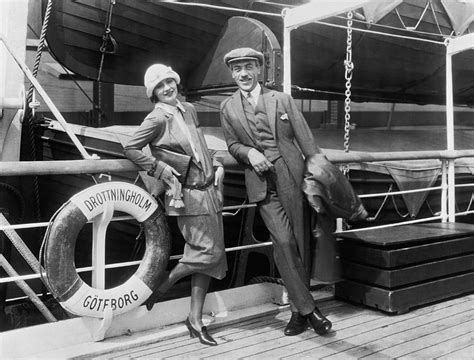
[[160, 130]]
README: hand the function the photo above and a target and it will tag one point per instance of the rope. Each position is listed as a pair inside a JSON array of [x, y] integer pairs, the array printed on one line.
[[78, 85], [403, 216], [30, 115], [226, 8], [381, 33], [433, 12], [27, 290], [375, 217], [268, 279], [68, 73], [422, 15], [40, 48], [20, 201], [20, 245], [388, 27]]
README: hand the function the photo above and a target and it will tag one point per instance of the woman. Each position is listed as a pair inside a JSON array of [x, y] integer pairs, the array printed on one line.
[[179, 151]]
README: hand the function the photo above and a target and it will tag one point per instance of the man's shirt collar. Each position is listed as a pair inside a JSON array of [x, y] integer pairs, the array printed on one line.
[[255, 92]]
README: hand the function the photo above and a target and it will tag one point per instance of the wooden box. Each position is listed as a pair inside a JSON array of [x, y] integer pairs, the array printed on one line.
[[395, 269]]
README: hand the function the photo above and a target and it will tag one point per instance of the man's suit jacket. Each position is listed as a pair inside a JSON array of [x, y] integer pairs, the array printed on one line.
[[160, 130], [290, 130]]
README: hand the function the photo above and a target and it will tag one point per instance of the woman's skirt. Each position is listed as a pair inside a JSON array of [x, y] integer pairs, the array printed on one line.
[[204, 251]]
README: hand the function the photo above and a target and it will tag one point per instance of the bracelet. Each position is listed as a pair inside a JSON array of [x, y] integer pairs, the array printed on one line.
[[152, 170]]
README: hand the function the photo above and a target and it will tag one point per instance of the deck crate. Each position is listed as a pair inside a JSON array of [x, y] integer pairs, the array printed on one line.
[[396, 269]]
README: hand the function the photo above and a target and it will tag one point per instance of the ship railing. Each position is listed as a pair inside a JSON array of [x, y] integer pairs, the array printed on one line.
[[29, 168]]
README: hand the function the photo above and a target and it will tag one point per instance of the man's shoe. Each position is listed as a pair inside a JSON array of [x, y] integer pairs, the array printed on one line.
[[297, 324], [319, 322]]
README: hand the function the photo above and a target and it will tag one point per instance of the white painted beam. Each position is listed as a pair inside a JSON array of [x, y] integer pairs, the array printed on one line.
[[460, 44], [317, 10], [454, 46]]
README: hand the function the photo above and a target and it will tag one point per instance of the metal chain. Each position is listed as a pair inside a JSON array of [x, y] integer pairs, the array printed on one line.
[[349, 66], [106, 38]]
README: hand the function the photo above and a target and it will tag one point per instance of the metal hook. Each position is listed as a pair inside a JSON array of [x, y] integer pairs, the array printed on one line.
[[108, 176]]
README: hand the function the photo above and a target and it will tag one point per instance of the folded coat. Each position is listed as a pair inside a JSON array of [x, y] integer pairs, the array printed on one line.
[[331, 195], [329, 191]]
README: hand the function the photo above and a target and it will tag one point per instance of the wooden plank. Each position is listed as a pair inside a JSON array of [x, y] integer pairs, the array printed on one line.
[[290, 345], [461, 354], [403, 299], [405, 331], [407, 275], [410, 234], [446, 346], [151, 25], [373, 342], [377, 345], [430, 334], [229, 339], [258, 345], [186, 344], [362, 337], [407, 255], [357, 332], [277, 346], [170, 344], [225, 336]]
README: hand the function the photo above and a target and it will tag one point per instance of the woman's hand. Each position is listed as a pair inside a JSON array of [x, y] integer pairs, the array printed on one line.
[[219, 184], [219, 177], [168, 175]]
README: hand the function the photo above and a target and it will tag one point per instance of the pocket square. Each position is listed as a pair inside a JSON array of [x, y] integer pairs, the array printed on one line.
[[284, 116]]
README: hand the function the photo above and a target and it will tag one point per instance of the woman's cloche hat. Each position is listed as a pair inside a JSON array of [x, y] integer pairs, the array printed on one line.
[[157, 73]]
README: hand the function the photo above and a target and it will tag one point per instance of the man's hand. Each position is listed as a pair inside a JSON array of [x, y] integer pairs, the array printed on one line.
[[259, 162]]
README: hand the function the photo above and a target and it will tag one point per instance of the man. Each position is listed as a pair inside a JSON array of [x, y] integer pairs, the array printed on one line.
[[261, 127]]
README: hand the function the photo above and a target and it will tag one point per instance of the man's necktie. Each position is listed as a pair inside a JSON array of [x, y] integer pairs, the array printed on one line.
[[251, 99]]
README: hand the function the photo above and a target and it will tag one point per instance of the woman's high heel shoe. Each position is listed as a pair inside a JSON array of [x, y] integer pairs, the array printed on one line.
[[203, 335], [154, 298]]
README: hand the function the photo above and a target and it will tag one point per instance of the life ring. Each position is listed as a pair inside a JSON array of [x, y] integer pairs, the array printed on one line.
[[59, 242]]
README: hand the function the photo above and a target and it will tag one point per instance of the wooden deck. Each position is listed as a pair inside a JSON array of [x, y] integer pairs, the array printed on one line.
[[444, 330]]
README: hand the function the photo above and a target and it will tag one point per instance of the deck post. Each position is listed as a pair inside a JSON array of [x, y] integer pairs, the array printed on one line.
[[286, 59], [305, 14], [453, 46], [13, 25], [444, 191]]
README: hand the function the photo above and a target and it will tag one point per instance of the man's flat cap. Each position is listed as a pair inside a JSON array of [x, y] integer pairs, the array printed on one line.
[[243, 54]]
